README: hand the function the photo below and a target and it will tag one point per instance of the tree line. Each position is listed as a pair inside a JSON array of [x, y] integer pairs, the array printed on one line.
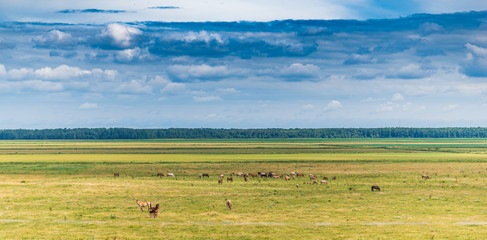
[[213, 133]]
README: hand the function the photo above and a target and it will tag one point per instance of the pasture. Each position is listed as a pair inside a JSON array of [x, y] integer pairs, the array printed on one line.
[[67, 189]]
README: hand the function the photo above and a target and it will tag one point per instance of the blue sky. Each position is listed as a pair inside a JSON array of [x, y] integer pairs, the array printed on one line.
[[243, 64]]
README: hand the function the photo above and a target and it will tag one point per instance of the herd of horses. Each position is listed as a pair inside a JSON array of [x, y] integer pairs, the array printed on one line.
[[153, 211]]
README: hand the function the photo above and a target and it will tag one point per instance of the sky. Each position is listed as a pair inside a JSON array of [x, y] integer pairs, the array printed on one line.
[[243, 64]]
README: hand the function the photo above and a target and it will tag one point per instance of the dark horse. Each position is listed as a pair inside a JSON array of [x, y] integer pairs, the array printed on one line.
[[206, 175], [160, 174], [375, 187], [116, 174]]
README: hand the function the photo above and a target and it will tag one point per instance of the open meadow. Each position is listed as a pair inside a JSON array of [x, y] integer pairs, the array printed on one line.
[[67, 189]]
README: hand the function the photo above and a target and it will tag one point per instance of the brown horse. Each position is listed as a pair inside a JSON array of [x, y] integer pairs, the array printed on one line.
[[154, 211], [143, 204], [220, 181], [116, 174], [375, 187], [160, 174], [206, 175], [229, 179], [425, 177], [229, 204]]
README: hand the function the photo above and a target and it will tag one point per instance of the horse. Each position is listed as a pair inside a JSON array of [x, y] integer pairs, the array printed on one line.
[[116, 174], [206, 175], [160, 174], [325, 178], [143, 204], [287, 178], [229, 179], [375, 187], [315, 182], [425, 177], [171, 175], [324, 182], [229, 204], [154, 211], [220, 181]]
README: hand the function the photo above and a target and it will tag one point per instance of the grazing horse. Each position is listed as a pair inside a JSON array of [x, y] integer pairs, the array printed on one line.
[[312, 177], [171, 175], [116, 174], [325, 178], [229, 204], [263, 174], [324, 182], [221, 175], [300, 175], [315, 182], [425, 177], [229, 179], [143, 204], [220, 181], [375, 187], [297, 185], [287, 178], [160, 174], [154, 211], [246, 179], [206, 175], [333, 178]]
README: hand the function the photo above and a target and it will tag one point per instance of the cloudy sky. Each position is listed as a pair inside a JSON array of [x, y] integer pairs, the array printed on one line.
[[243, 63]]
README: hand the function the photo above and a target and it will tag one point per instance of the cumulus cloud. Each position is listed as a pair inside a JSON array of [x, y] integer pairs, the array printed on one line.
[[397, 97], [333, 105], [55, 39], [121, 36], [300, 71], [88, 106], [206, 98], [134, 54], [134, 86], [410, 71], [60, 72], [173, 88], [475, 64], [360, 59], [201, 72]]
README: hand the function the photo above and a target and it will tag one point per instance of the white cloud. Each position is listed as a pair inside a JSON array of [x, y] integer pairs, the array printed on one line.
[[475, 64], [206, 98], [60, 72], [308, 107], [133, 54], [121, 35], [389, 106], [333, 105], [410, 71], [227, 90], [40, 85], [88, 106], [173, 88], [203, 71], [3, 71], [397, 97], [134, 86], [299, 70], [202, 36]]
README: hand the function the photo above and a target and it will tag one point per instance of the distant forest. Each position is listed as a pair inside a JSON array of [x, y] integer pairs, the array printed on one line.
[[212, 133]]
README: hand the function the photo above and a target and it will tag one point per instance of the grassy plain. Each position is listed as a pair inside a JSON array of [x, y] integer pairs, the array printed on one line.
[[66, 189]]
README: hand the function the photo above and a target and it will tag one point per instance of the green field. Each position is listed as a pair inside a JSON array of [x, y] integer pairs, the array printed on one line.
[[66, 189]]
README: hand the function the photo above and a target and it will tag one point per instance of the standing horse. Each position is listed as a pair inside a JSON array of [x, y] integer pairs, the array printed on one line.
[[143, 204], [375, 187], [116, 174]]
